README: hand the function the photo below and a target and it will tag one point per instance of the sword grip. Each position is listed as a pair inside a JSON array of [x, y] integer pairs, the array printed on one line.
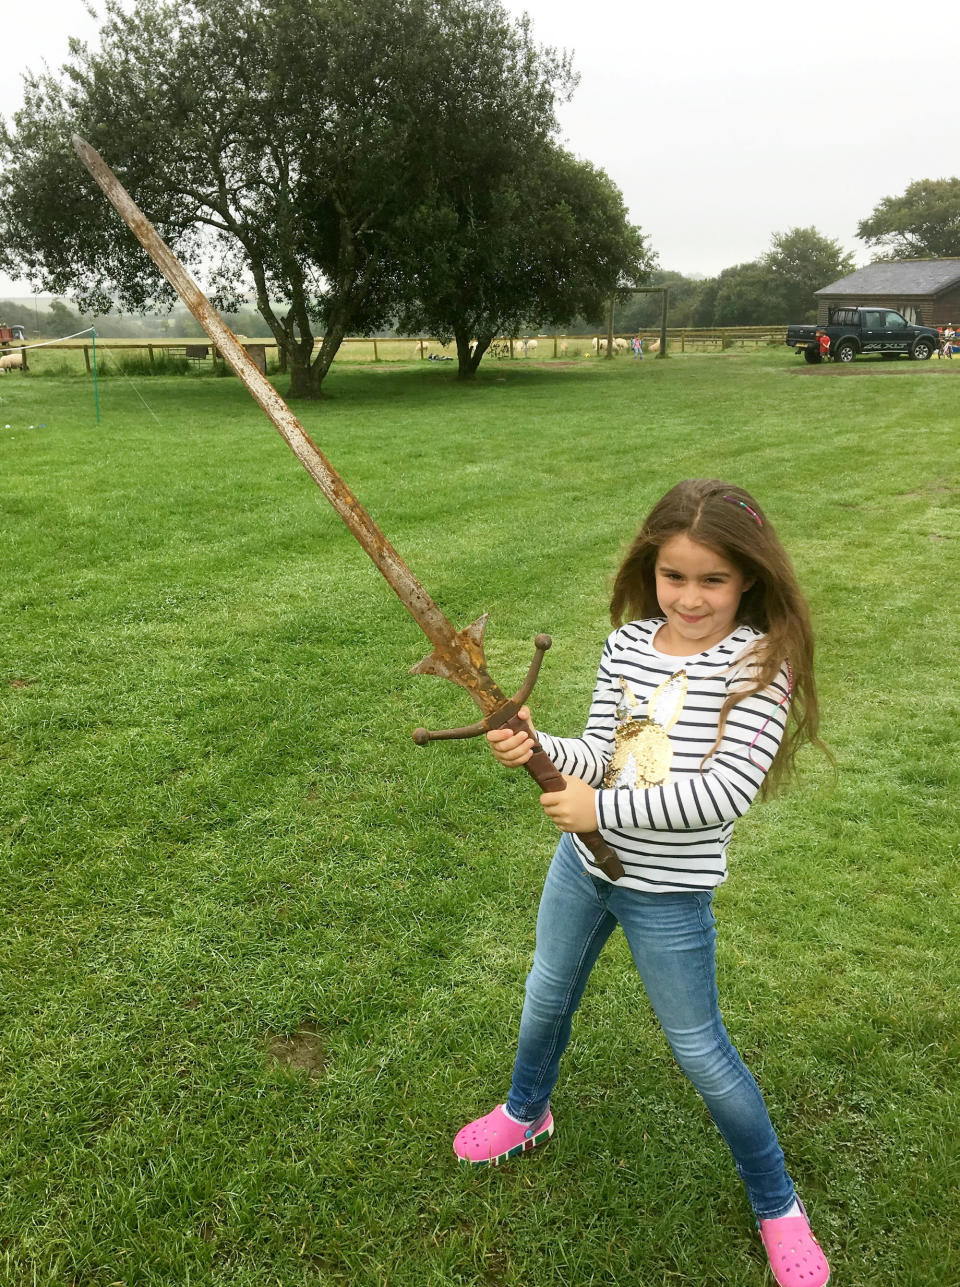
[[544, 772]]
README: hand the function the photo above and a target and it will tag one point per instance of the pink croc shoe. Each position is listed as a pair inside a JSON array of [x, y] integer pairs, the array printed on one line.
[[795, 1256], [492, 1139]]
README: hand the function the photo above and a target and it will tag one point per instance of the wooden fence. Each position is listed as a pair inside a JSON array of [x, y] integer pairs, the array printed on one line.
[[400, 348]]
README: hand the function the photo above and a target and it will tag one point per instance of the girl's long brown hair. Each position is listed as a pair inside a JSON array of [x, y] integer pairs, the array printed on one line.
[[729, 521]]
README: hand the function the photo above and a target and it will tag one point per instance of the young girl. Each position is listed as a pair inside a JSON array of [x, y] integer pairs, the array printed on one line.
[[704, 695]]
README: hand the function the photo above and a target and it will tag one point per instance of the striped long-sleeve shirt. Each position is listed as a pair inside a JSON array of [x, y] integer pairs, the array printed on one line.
[[673, 836]]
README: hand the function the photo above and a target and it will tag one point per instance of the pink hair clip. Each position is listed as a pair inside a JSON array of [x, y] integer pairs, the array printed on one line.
[[735, 500]]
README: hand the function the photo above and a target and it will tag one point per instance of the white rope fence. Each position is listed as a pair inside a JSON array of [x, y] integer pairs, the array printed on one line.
[[42, 344], [89, 330]]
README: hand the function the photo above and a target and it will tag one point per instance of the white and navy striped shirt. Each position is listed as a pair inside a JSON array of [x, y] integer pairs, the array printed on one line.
[[674, 836]]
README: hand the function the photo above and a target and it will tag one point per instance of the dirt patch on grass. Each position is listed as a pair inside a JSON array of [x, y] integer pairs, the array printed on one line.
[[303, 1051], [555, 363], [939, 487], [20, 683], [822, 371]]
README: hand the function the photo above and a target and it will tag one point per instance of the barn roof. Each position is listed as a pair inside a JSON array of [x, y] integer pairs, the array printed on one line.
[[899, 277]]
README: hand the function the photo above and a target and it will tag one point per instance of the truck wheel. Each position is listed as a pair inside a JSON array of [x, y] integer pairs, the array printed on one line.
[[922, 350], [846, 351], [811, 355]]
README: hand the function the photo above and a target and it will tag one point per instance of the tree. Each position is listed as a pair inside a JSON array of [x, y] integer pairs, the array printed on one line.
[[800, 262], [642, 312], [747, 295], [777, 288], [276, 142], [525, 245], [923, 222]]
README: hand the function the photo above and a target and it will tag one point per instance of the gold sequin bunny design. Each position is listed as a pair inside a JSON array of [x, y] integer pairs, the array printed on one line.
[[642, 751]]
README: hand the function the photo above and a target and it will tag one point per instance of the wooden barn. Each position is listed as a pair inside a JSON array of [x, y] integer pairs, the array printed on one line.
[[926, 291]]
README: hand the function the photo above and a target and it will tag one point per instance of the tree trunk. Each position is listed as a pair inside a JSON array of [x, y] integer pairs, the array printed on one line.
[[332, 340], [303, 380], [468, 362]]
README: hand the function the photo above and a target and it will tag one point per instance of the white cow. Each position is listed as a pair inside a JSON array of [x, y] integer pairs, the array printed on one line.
[[422, 346], [530, 345]]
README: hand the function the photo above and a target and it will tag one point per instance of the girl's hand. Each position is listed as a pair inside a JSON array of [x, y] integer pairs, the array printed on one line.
[[574, 808], [512, 749]]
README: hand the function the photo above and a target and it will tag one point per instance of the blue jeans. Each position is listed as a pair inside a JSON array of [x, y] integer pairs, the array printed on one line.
[[672, 939]]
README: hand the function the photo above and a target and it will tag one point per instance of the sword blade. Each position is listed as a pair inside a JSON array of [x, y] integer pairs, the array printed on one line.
[[457, 655]]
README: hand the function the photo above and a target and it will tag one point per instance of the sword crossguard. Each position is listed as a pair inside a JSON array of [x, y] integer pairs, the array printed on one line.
[[502, 715], [540, 767]]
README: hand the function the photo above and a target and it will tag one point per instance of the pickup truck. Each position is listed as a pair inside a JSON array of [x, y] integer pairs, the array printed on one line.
[[865, 330]]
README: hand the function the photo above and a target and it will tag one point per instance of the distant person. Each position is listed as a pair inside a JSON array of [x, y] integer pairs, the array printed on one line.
[[637, 346], [949, 335], [823, 339], [705, 693]]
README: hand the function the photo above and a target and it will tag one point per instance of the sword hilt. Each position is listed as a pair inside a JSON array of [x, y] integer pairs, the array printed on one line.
[[540, 767]]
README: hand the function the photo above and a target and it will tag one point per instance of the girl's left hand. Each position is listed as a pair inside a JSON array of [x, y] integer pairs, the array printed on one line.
[[574, 808]]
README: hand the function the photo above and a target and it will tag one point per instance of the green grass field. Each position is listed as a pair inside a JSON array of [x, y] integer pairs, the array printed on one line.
[[262, 956]]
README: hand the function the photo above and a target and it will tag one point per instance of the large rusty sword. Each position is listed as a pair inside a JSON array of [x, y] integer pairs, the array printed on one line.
[[457, 654]]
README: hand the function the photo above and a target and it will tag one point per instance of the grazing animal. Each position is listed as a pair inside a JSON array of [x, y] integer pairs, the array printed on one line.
[[11, 362]]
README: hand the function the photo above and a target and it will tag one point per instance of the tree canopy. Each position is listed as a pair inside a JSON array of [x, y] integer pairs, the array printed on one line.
[[297, 145], [923, 222], [800, 262], [506, 250]]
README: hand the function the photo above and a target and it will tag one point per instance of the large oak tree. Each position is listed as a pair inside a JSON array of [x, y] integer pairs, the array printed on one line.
[[278, 143]]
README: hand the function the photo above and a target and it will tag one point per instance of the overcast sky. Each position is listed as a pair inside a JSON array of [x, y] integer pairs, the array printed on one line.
[[720, 123]]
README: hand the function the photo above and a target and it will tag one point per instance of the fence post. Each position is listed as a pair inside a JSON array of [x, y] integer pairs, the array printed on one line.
[[86, 357], [375, 357], [150, 351]]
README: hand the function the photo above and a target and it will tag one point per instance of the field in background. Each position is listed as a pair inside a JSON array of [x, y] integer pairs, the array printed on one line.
[[168, 357], [263, 956]]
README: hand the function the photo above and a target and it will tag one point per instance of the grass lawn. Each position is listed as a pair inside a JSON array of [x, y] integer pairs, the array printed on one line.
[[262, 956]]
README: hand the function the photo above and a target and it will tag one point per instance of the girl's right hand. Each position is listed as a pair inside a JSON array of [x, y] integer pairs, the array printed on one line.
[[510, 748]]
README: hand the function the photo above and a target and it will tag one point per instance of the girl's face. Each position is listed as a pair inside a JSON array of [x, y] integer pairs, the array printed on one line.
[[699, 594]]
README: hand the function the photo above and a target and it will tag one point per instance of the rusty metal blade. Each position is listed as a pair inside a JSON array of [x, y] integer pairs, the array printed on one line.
[[457, 655]]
